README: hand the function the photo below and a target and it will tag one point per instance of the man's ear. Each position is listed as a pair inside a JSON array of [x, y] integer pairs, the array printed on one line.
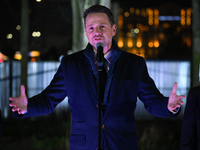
[[114, 29]]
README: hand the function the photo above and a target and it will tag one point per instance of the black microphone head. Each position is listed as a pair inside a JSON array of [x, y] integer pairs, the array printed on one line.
[[99, 44], [99, 47]]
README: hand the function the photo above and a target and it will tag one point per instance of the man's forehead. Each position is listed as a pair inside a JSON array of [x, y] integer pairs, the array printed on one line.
[[97, 18], [95, 15]]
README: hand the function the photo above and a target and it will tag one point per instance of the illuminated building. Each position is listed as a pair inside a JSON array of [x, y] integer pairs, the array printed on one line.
[[161, 32]]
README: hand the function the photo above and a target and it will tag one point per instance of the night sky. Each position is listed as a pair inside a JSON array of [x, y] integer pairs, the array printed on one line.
[[151, 3], [10, 17]]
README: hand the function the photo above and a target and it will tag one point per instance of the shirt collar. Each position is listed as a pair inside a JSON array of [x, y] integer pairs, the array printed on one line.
[[107, 56]]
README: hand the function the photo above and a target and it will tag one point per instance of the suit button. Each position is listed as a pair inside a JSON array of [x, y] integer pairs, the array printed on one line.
[[103, 126], [102, 106]]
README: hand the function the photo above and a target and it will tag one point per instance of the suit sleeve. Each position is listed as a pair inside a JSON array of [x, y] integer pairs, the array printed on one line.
[[189, 128], [154, 102], [47, 100], [0, 122]]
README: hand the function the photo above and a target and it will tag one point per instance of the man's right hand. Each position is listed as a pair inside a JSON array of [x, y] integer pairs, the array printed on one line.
[[20, 103]]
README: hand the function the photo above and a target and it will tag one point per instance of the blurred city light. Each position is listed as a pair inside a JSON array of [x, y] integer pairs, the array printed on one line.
[[36, 34], [18, 27], [120, 42], [1, 57], [136, 30], [34, 54], [18, 55], [126, 14], [9, 36]]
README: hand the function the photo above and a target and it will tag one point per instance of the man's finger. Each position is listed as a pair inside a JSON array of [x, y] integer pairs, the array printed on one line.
[[19, 112], [12, 105], [181, 102], [10, 98], [181, 96], [174, 87], [23, 90], [15, 109]]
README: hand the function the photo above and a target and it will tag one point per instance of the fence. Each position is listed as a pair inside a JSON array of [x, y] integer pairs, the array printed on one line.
[[164, 73]]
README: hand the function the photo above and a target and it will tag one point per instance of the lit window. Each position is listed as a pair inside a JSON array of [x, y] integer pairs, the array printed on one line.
[[128, 34], [130, 42], [135, 51], [188, 21], [183, 17], [150, 21], [156, 43], [156, 21], [132, 10], [156, 12], [189, 11], [34, 54], [18, 55], [150, 44], [139, 42], [120, 22], [120, 17], [143, 12], [182, 20], [126, 14], [142, 52], [120, 42], [182, 12], [150, 12], [137, 11]]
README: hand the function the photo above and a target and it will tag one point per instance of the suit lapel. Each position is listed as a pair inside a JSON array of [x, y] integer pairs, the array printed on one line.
[[88, 74], [116, 71]]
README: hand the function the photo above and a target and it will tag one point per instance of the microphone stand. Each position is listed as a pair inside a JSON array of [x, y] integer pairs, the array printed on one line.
[[100, 57]]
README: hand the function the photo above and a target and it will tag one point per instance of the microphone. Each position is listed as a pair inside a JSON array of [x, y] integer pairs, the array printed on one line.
[[100, 46]]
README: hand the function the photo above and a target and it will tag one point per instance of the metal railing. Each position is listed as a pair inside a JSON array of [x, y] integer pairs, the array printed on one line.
[[164, 73]]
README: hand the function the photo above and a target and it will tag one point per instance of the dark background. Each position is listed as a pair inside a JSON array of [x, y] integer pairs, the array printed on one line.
[[51, 132], [53, 18]]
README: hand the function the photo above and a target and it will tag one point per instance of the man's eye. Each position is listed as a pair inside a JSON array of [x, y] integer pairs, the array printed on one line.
[[91, 28]]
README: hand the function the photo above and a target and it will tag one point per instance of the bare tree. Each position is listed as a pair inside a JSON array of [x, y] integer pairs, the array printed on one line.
[[196, 41], [24, 40]]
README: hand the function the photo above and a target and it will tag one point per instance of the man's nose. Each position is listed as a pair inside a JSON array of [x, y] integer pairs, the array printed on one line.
[[98, 30]]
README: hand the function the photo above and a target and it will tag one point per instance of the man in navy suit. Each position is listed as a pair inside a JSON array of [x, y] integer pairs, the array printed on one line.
[[77, 77], [190, 134], [0, 122]]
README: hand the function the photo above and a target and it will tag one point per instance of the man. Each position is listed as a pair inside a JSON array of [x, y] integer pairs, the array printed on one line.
[[77, 78], [190, 134], [0, 122]]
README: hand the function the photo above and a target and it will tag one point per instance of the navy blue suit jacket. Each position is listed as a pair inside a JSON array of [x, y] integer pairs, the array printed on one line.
[[0, 122], [77, 78], [190, 134]]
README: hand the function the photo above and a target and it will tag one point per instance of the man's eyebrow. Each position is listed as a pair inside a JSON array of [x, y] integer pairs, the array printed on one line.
[[93, 24]]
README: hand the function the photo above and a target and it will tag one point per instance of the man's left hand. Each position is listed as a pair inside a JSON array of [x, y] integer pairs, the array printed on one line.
[[174, 100]]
